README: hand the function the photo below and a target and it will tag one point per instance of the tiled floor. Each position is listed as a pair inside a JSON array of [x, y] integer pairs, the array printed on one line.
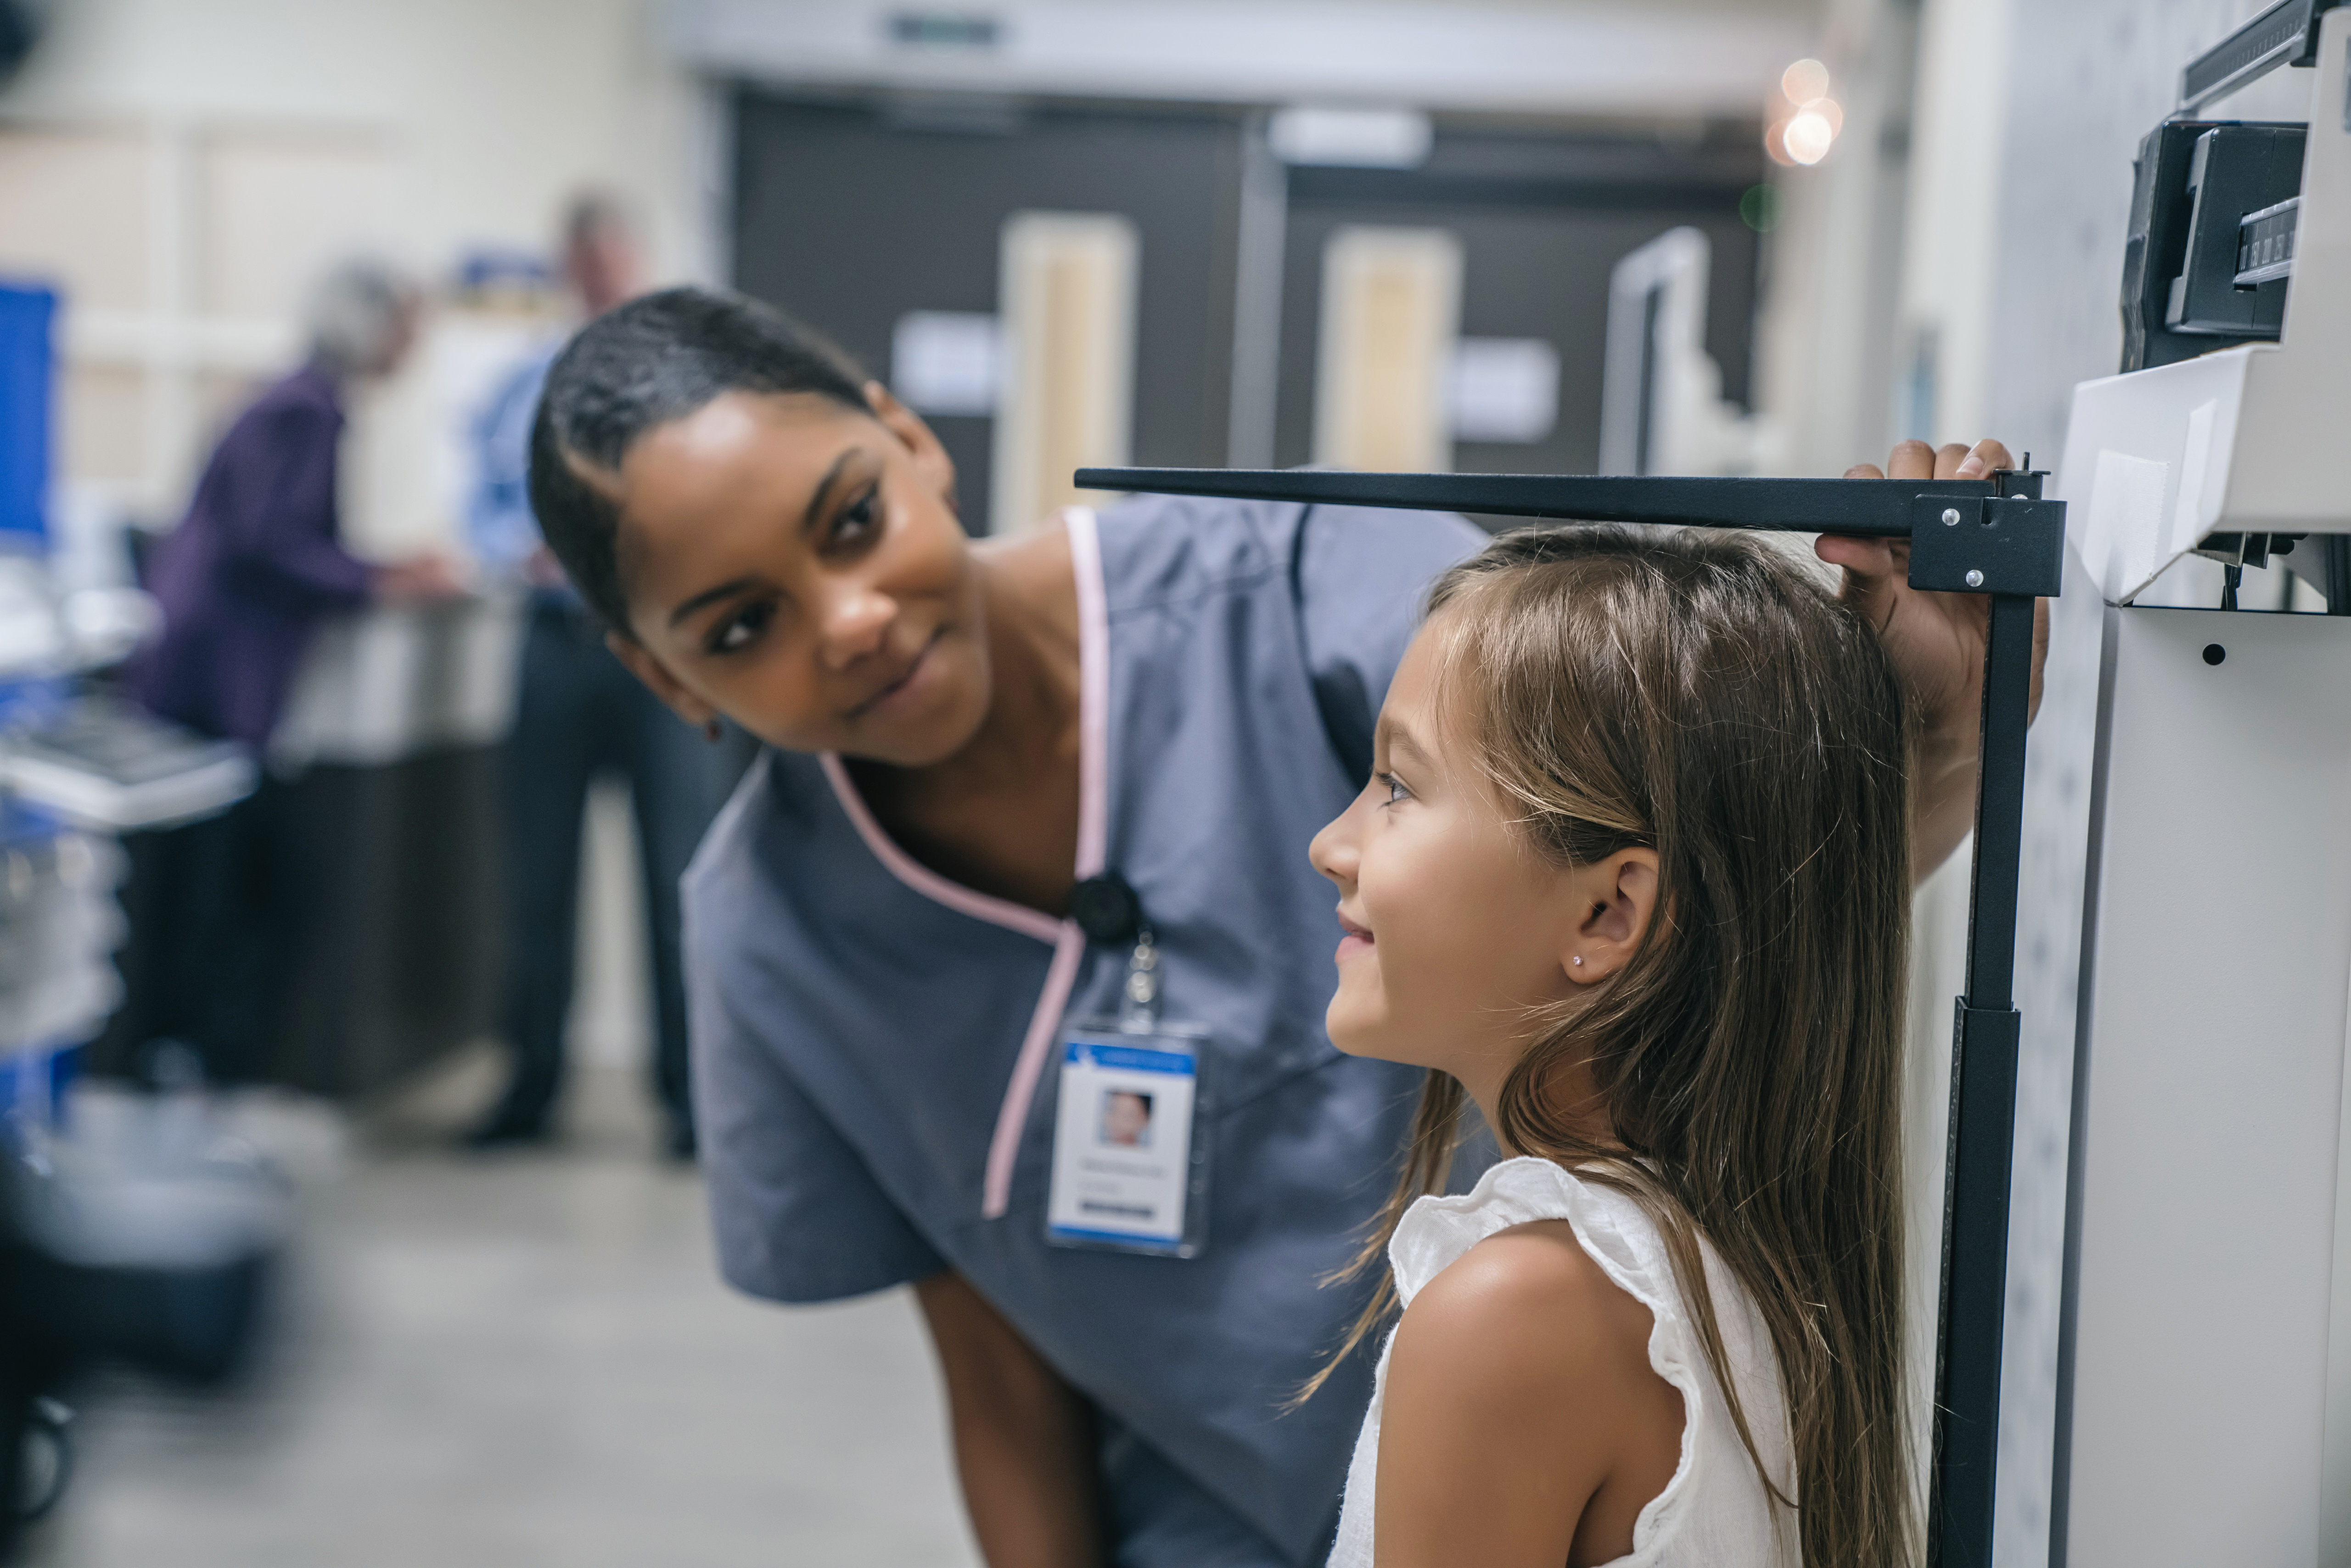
[[521, 1361]]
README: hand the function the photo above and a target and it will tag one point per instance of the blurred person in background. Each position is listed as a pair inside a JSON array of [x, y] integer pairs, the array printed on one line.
[[578, 714], [244, 581]]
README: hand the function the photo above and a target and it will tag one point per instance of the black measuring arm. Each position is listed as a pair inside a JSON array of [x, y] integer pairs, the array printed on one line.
[[1966, 535], [1995, 537], [2285, 33]]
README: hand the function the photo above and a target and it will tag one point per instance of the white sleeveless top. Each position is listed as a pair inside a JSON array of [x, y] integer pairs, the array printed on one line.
[[1715, 1510]]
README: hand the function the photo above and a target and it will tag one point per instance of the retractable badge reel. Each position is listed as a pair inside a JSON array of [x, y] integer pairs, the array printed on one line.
[[1130, 1160]]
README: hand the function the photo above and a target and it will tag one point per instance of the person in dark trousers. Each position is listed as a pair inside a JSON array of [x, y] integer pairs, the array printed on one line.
[[578, 713], [244, 581]]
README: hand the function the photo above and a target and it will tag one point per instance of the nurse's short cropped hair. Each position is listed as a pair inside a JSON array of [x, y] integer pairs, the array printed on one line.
[[648, 362]]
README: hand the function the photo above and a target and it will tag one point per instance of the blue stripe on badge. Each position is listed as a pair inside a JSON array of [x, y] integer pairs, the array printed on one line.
[[1133, 1058], [1157, 1241]]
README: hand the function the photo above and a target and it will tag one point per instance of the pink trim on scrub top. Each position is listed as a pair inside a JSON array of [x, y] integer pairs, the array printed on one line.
[[1068, 943]]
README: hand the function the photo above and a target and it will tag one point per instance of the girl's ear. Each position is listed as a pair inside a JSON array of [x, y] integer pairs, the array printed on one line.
[[1618, 897], [931, 463], [658, 679]]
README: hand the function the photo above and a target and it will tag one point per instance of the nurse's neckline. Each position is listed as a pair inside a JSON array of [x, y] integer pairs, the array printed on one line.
[[1000, 816]]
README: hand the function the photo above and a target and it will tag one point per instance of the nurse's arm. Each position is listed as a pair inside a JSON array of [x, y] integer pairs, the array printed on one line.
[[1937, 642], [1023, 1437]]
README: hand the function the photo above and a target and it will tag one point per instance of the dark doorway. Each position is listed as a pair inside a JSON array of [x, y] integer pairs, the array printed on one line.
[[850, 214], [1541, 215]]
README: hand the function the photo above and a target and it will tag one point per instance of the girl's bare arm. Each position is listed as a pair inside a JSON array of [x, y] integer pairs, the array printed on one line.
[[1523, 1427]]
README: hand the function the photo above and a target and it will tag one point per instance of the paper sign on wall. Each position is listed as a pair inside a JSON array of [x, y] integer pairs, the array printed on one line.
[[946, 362]]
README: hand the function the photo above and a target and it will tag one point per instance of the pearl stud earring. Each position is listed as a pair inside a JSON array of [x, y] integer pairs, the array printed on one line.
[[1579, 960]]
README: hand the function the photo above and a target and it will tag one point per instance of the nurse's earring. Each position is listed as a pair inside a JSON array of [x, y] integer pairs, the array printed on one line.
[[1577, 960]]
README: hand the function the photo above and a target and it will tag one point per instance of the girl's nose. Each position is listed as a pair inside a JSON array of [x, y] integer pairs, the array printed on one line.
[[1333, 851]]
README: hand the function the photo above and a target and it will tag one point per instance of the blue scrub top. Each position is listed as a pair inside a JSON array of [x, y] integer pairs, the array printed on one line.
[[872, 1045]]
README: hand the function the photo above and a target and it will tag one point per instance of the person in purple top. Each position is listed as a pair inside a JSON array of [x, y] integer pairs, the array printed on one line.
[[242, 582]]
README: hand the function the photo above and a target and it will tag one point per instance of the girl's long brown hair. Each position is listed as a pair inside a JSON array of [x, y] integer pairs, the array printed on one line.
[[1700, 694]]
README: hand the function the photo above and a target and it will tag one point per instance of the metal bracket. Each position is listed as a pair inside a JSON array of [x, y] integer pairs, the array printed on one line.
[[1991, 544]]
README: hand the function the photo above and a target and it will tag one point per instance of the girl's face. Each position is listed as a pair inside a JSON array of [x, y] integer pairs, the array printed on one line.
[[1455, 929], [798, 566]]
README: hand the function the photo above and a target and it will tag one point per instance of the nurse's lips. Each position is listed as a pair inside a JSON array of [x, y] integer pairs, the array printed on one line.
[[898, 683], [1358, 939]]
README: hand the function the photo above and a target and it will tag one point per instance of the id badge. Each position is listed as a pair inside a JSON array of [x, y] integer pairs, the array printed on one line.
[[1129, 1169]]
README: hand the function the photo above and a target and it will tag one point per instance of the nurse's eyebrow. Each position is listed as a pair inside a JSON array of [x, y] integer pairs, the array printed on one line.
[[728, 589], [735, 585], [824, 487]]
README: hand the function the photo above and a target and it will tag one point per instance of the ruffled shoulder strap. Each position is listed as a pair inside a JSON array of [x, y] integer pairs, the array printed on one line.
[[1610, 1226]]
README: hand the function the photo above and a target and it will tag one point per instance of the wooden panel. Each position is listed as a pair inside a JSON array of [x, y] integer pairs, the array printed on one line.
[[74, 212], [1391, 311], [1068, 287], [102, 422], [276, 208]]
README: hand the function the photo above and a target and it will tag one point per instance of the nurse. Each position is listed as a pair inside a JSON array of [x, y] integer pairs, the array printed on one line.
[[1018, 792]]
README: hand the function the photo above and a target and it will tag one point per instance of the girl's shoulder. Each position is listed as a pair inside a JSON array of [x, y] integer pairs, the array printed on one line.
[[1557, 1282], [1530, 1313], [1608, 1229], [1546, 1346], [1524, 1368]]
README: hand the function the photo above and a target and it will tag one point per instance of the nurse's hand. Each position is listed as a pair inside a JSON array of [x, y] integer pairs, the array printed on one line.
[[1937, 642]]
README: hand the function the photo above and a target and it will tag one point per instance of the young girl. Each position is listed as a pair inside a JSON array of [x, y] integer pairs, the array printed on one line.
[[1633, 876]]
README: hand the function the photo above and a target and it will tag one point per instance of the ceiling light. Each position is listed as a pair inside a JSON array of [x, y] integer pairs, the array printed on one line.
[[1804, 81], [1808, 135]]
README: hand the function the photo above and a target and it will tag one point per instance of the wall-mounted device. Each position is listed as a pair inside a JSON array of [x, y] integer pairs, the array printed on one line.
[[2213, 211], [2204, 1368]]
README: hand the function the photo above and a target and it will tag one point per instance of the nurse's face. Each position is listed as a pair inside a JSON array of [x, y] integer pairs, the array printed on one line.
[[798, 566], [1456, 931]]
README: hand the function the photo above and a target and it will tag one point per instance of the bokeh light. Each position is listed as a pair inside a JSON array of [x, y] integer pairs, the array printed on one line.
[[1807, 136], [1804, 81], [1805, 125]]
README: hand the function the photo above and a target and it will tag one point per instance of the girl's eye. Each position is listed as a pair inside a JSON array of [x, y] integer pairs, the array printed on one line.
[[1397, 793], [740, 629]]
